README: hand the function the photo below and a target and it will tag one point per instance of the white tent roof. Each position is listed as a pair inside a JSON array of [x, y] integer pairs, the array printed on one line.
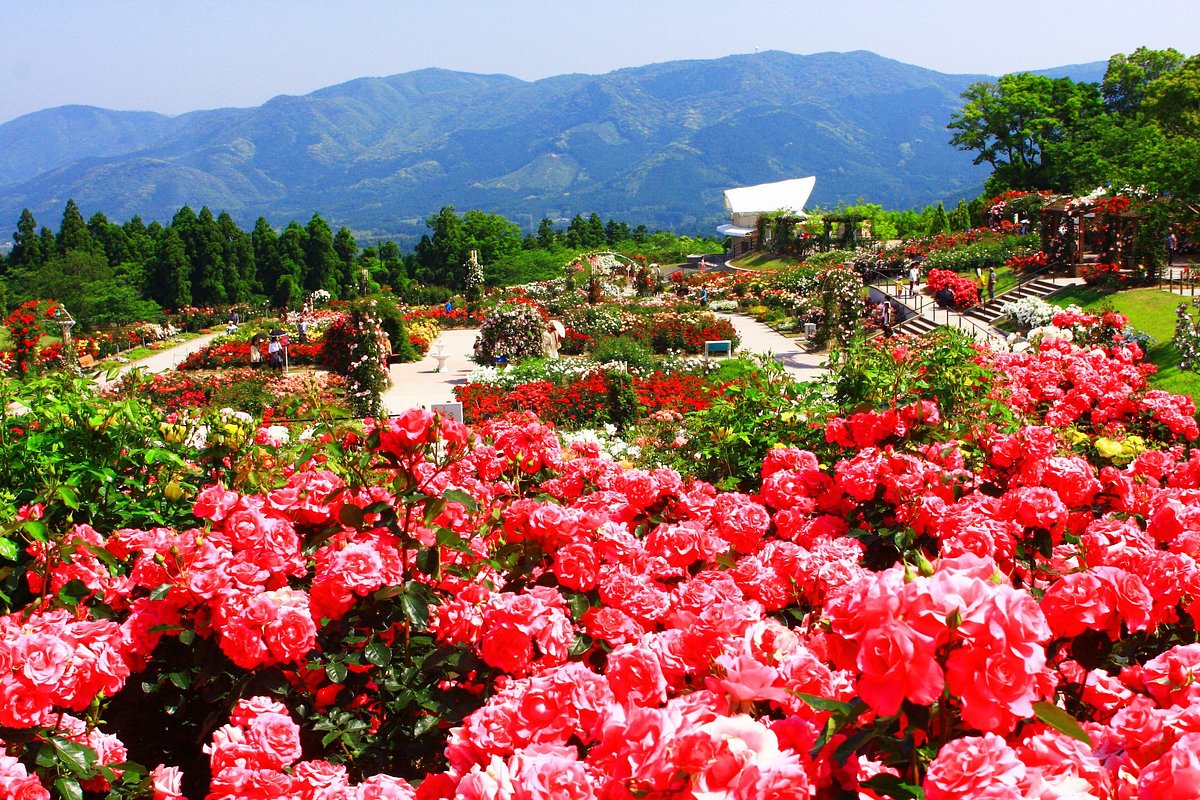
[[790, 195]]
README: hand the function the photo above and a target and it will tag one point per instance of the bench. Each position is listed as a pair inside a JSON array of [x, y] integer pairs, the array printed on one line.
[[86, 362], [716, 347]]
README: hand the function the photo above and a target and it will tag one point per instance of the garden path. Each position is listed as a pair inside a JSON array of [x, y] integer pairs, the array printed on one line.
[[164, 360], [418, 384], [760, 339]]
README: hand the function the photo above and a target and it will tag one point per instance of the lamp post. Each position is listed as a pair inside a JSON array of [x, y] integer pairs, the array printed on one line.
[[65, 323]]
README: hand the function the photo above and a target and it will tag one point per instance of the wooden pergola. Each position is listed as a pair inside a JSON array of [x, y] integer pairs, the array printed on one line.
[[1078, 236]]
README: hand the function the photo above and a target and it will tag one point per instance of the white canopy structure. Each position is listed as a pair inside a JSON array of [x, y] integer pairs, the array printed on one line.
[[748, 203]]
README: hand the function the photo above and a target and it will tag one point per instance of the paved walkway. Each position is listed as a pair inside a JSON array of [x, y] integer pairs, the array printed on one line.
[[418, 384], [164, 360]]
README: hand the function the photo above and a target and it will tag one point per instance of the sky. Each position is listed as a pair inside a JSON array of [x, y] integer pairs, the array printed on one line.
[[173, 56]]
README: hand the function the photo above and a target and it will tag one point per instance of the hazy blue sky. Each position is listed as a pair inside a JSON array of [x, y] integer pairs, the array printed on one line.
[[172, 56]]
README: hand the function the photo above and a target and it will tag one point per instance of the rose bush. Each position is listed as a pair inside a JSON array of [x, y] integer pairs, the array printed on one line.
[[964, 599]]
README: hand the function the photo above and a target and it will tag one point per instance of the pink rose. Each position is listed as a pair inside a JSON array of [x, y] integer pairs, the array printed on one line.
[[975, 768]]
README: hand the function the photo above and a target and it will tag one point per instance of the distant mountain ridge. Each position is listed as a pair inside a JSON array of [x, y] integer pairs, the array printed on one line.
[[654, 145]]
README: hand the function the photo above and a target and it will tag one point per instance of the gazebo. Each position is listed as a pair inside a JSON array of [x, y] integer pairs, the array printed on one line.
[[748, 203]]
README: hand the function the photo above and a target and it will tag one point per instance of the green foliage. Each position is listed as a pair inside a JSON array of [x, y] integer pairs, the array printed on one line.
[[391, 318], [884, 373], [1014, 123], [983, 253], [357, 346], [623, 405], [726, 443], [251, 396], [625, 350], [89, 459], [509, 332]]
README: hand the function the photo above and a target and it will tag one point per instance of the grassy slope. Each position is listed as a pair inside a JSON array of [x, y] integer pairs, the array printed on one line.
[[1153, 311]]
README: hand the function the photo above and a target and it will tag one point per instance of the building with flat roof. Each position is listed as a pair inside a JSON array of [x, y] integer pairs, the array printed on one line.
[[748, 203]]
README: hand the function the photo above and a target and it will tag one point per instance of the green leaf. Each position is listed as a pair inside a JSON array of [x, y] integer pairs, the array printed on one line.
[[378, 653], [181, 680], [160, 591], [579, 605], [581, 645], [351, 516], [451, 540], [433, 507], [69, 789], [459, 496], [825, 704], [78, 758], [429, 561], [425, 724], [68, 496], [8, 549], [1060, 720], [36, 529], [894, 787], [335, 671], [416, 609]]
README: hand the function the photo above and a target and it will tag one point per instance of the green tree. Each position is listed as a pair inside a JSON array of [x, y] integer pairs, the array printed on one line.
[[27, 247], [492, 235], [171, 284], [441, 254], [547, 236], [1014, 123], [321, 266], [1128, 76], [615, 232], [267, 262], [960, 217], [346, 250], [940, 223], [211, 277], [49, 242], [1173, 99], [73, 233], [237, 253]]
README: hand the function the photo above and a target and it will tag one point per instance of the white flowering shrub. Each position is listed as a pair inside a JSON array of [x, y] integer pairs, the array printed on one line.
[[1030, 312]]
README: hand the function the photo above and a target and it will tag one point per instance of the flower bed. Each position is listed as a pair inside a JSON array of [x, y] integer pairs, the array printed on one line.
[[236, 354], [583, 400], [996, 606], [686, 333], [965, 290]]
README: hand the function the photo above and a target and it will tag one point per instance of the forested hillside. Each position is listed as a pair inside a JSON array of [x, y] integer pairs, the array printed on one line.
[[657, 144]]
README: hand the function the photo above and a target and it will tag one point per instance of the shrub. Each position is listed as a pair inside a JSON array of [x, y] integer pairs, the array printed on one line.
[[625, 350], [511, 331], [965, 290], [391, 319], [357, 347]]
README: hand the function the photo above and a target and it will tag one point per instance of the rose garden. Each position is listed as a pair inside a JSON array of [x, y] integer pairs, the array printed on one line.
[[945, 570]]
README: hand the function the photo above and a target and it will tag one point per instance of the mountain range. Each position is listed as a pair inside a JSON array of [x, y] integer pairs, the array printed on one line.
[[653, 145]]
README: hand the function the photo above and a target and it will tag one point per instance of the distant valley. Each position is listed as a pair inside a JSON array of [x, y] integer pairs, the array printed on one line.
[[652, 145]]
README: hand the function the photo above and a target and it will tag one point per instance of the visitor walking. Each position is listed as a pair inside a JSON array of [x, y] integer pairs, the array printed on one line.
[[1172, 246], [302, 330], [914, 277], [885, 317], [255, 355], [275, 352], [991, 283]]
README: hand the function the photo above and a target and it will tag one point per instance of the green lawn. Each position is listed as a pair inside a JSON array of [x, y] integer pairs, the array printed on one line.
[[765, 261], [1151, 310]]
